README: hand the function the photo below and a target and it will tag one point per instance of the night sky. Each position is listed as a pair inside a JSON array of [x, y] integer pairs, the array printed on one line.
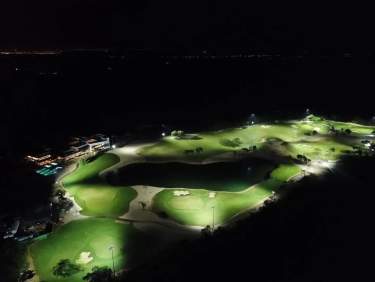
[[291, 25]]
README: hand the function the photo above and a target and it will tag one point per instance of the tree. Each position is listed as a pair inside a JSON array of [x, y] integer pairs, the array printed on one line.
[[231, 143], [348, 131], [177, 133], [26, 275], [66, 268], [199, 150], [99, 274], [143, 205], [206, 231], [60, 193]]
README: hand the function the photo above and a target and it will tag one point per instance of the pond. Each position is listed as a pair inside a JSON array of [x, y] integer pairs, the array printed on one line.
[[222, 176]]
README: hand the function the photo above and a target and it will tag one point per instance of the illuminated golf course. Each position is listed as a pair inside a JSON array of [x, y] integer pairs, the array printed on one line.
[[93, 235], [186, 181]]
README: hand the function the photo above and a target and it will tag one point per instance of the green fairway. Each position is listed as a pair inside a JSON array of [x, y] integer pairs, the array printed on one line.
[[325, 149], [102, 199], [284, 172], [88, 235], [87, 171], [212, 142], [339, 125], [196, 208]]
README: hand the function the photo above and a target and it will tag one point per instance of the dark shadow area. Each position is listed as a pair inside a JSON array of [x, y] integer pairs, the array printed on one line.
[[319, 231], [22, 190], [223, 176]]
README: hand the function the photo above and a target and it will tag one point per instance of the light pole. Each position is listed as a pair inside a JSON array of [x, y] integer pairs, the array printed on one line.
[[113, 261], [213, 218]]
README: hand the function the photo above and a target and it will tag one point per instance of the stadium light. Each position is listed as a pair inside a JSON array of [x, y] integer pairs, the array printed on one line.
[[110, 248]]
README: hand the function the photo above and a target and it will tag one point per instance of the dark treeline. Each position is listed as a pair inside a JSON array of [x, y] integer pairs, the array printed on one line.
[[321, 231]]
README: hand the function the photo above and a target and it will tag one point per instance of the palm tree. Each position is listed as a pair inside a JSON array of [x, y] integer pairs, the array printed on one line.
[[99, 274], [66, 268]]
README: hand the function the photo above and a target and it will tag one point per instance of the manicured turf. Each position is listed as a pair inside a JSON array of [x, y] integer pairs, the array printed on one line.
[[196, 208], [212, 142], [339, 125], [88, 171], [102, 199], [284, 172], [297, 134], [325, 149], [87, 235], [93, 195]]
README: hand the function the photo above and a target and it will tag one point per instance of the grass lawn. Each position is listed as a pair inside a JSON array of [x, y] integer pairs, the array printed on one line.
[[90, 170], [102, 199], [170, 148], [87, 235], [285, 171], [327, 149], [355, 128], [196, 208], [338, 125]]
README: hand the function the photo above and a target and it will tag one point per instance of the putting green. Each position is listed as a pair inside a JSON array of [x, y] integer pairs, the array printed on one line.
[[88, 171], [102, 199], [87, 235], [285, 171]]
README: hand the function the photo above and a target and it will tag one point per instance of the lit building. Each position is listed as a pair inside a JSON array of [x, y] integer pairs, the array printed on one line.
[[99, 142], [78, 147], [41, 159], [83, 145]]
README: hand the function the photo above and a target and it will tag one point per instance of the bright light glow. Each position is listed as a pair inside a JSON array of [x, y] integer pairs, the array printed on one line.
[[163, 134], [113, 146]]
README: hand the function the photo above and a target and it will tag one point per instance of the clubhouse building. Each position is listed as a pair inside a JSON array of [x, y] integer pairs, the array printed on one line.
[[78, 147]]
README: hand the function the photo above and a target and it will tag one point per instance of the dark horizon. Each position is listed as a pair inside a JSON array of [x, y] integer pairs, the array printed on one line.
[[186, 24]]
